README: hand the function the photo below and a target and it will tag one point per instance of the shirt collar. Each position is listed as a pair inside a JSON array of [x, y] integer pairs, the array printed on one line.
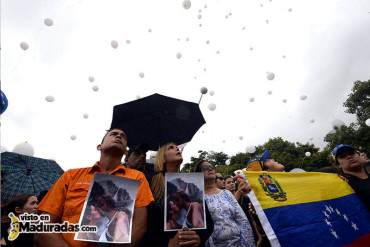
[[96, 168]]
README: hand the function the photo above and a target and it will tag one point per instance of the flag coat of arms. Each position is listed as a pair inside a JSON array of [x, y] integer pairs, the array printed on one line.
[[308, 209]]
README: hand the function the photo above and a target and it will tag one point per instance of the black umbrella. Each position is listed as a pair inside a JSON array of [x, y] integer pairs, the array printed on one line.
[[22, 174], [158, 119]]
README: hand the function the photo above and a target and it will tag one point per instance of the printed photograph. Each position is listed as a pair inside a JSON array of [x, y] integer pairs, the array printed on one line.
[[109, 206], [184, 201]]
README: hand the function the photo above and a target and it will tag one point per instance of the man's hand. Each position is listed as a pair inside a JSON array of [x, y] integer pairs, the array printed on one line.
[[185, 238]]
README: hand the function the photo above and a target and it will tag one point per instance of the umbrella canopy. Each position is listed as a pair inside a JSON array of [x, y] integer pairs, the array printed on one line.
[[158, 119], [21, 174]]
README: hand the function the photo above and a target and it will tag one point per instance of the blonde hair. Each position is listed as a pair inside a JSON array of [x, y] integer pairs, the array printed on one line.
[[157, 183]]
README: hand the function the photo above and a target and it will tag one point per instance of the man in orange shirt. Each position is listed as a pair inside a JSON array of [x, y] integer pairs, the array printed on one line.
[[64, 201]]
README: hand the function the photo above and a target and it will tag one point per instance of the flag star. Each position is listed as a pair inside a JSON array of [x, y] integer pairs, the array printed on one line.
[[326, 214], [327, 208], [354, 226], [331, 208], [334, 234], [336, 210], [345, 217], [327, 222]]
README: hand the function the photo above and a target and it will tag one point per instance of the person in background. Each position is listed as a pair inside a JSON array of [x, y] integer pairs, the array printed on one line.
[[264, 162], [18, 205], [169, 159], [65, 199], [220, 181], [231, 226], [136, 159], [230, 184], [352, 167]]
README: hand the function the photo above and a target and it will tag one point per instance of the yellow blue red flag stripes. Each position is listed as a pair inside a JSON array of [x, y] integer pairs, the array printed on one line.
[[309, 209]]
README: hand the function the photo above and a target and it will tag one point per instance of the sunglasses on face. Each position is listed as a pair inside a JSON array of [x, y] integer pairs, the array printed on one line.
[[207, 167]]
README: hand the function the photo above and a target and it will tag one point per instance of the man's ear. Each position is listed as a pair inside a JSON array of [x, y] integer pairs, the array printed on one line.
[[98, 147]]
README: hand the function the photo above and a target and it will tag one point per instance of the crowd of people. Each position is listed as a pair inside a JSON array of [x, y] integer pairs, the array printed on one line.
[[229, 215]]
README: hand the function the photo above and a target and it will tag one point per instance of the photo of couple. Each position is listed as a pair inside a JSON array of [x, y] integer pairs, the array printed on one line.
[[184, 202], [109, 207]]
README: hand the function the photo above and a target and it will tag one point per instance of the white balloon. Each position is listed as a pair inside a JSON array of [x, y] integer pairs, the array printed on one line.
[[24, 148], [199, 16], [178, 55], [270, 76], [269, 92], [24, 45], [203, 90], [227, 162], [149, 30], [290, 9], [251, 99], [186, 4], [297, 170], [284, 100], [212, 107], [85, 116], [91, 78], [250, 149], [337, 123], [312, 120], [267, 21], [240, 138], [73, 137], [251, 48], [308, 154], [128, 42], [207, 42], [367, 122], [311, 139], [223, 141], [303, 97], [48, 22], [217, 52], [49, 98], [141, 74], [95, 88], [211, 92], [114, 44], [284, 56]]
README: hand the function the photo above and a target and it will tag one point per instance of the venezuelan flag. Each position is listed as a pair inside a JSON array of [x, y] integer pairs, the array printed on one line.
[[309, 209]]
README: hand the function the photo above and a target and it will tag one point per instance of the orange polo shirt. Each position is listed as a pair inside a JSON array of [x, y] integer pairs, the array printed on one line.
[[66, 197]]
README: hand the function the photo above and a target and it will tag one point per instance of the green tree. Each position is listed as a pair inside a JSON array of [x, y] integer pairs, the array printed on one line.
[[358, 101]]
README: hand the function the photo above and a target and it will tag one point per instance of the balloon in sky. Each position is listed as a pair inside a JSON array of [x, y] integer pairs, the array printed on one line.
[[227, 162], [178, 55], [24, 45], [48, 22], [95, 88], [186, 4], [290, 9], [91, 78], [312, 120], [212, 107], [85, 116], [250, 149], [251, 99], [203, 90], [269, 92], [337, 123], [49, 98], [24, 148], [199, 16], [367, 122], [240, 138], [303, 97], [73, 137], [211, 92], [311, 139], [284, 100], [114, 44], [128, 41], [270, 76], [141, 74], [308, 154]]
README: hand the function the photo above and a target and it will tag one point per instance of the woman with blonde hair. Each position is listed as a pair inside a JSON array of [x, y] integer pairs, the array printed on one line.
[[169, 159]]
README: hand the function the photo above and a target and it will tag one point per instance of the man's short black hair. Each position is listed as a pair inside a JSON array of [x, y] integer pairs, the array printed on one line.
[[107, 131], [138, 149]]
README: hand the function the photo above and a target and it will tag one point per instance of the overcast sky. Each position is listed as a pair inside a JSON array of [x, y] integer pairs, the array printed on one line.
[[314, 48]]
